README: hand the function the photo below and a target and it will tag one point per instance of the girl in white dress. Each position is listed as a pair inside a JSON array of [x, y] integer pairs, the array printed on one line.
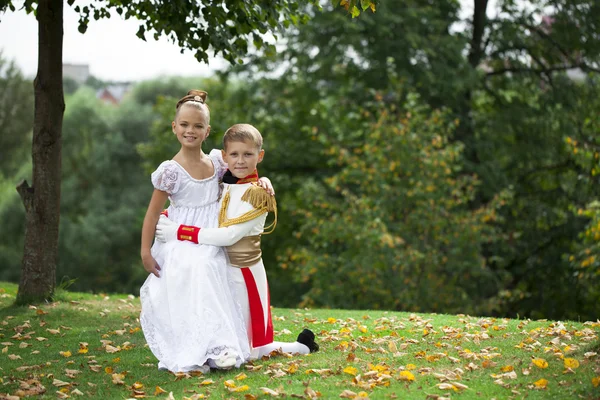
[[189, 317]]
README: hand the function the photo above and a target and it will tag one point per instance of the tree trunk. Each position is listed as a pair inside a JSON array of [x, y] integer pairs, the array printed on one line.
[[466, 131], [42, 201]]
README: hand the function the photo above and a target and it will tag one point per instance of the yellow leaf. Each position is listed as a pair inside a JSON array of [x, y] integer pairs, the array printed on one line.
[[239, 389], [351, 370], [596, 381], [208, 382], [65, 353], [229, 383], [83, 350], [372, 6], [241, 376], [159, 390], [293, 368], [410, 367], [331, 320], [406, 376], [540, 363], [541, 384], [507, 368], [137, 385], [108, 370], [571, 363]]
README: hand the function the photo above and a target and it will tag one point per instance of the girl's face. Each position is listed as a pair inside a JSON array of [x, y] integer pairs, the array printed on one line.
[[191, 126]]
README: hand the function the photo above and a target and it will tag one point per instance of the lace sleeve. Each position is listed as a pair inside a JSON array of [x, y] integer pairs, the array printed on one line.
[[220, 164], [166, 177]]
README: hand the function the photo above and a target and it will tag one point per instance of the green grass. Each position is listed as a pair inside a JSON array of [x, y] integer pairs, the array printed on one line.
[[361, 351]]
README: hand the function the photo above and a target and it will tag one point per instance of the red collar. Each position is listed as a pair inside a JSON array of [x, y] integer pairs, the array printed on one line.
[[252, 178]]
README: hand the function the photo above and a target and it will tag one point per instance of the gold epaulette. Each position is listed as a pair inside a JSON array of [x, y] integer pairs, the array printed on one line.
[[259, 198]]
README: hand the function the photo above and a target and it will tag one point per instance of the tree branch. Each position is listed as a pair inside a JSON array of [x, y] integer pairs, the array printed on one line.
[[536, 71], [479, 22]]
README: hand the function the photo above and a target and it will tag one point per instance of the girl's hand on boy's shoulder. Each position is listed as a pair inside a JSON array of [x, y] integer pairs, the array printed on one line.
[[265, 183]]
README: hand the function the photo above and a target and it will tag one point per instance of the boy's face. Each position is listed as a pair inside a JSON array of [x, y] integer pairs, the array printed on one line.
[[242, 158]]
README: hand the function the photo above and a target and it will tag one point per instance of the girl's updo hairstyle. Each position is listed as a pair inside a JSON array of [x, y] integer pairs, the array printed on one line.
[[194, 98]]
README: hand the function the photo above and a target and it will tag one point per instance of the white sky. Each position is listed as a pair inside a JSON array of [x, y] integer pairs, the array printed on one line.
[[110, 47]]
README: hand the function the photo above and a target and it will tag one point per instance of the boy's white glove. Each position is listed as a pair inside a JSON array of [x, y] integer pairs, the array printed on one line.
[[166, 230]]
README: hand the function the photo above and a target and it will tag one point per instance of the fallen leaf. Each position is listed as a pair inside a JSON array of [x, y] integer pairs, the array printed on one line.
[[117, 379], [59, 383], [270, 392], [406, 376], [239, 389], [541, 384], [72, 373], [137, 386], [571, 363], [540, 363], [229, 383]]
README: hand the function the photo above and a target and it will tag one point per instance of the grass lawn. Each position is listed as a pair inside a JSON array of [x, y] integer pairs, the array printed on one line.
[[91, 346]]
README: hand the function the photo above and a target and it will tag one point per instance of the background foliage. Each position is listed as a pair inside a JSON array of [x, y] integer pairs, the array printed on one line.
[[421, 161]]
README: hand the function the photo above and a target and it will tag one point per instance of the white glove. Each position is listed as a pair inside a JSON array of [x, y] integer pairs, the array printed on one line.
[[166, 230]]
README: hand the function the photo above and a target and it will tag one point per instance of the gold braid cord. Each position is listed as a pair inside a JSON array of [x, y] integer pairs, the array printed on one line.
[[259, 199]]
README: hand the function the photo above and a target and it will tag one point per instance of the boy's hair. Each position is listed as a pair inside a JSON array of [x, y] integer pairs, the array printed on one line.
[[194, 98], [243, 133]]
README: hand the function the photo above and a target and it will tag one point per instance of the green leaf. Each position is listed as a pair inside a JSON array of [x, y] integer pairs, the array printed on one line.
[[141, 33], [82, 28], [355, 12], [365, 4]]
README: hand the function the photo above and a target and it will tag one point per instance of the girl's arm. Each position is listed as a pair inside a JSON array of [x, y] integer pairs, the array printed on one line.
[[157, 202]]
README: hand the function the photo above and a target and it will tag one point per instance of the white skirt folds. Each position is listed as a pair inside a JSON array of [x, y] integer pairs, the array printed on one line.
[[189, 314]]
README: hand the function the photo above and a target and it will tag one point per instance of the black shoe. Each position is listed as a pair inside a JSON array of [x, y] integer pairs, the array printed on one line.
[[307, 338]]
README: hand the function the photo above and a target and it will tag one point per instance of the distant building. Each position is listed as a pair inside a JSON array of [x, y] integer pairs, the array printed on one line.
[[113, 94], [78, 72]]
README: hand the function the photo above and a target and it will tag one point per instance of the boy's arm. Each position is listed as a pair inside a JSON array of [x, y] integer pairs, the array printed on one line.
[[167, 230]]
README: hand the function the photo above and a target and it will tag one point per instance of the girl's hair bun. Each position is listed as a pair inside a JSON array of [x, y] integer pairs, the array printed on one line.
[[193, 95]]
